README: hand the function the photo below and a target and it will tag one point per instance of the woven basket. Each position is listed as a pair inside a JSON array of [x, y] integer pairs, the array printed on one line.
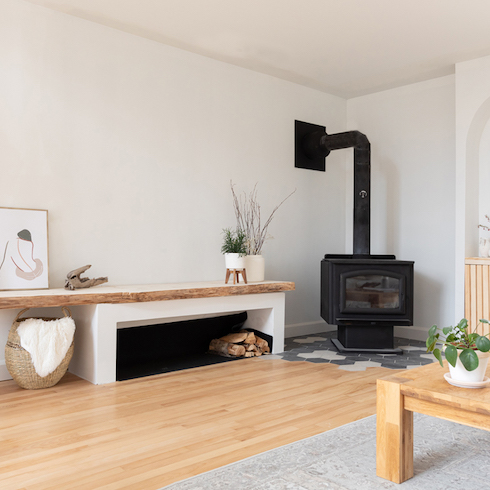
[[19, 362]]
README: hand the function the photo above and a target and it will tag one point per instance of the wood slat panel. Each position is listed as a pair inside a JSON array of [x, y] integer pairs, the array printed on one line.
[[479, 297], [473, 289], [485, 297], [467, 291], [477, 292]]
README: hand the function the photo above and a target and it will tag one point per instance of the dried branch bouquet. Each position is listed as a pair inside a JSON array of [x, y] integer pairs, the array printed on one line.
[[485, 227], [247, 212]]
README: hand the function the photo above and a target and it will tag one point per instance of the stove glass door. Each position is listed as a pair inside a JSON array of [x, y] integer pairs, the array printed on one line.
[[372, 291]]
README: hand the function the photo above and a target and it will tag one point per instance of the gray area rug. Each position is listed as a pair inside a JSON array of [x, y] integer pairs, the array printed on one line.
[[446, 456]]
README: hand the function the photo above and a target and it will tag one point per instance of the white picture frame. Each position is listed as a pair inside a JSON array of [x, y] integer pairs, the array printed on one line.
[[23, 249]]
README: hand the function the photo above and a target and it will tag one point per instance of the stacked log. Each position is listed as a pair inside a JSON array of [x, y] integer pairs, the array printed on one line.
[[241, 344]]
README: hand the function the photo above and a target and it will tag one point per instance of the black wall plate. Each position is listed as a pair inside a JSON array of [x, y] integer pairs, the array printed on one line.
[[300, 159]]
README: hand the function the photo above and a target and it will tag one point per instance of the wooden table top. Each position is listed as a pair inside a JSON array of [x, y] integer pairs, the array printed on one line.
[[135, 293], [428, 383]]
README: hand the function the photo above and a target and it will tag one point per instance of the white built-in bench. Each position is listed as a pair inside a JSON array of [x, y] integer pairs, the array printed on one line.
[[100, 311]]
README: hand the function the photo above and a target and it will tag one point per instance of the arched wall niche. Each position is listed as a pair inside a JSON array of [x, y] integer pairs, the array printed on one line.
[[477, 161], [484, 181], [472, 162]]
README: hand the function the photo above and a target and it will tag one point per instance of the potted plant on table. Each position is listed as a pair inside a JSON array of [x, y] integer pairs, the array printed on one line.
[[234, 248], [466, 352], [248, 219]]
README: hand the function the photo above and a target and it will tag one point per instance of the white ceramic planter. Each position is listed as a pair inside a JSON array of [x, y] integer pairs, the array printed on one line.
[[459, 372], [234, 261], [484, 247], [255, 267]]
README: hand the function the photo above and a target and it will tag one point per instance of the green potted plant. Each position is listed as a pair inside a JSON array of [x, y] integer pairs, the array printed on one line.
[[466, 352], [234, 248]]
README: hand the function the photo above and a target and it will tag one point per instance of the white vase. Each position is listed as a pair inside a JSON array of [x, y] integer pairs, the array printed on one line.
[[459, 372], [234, 261], [255, 267], [484, 247]]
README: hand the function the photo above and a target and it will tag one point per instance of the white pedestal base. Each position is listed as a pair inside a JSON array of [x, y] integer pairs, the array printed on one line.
[[96, 335]]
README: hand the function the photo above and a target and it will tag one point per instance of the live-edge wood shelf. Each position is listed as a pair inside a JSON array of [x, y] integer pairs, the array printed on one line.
[[135, 293]]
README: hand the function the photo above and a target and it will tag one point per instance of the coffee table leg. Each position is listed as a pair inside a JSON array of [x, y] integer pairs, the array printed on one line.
[[394, 433]]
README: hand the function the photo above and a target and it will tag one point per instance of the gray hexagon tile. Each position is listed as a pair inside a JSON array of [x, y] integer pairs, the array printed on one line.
[[324, 354], [319, 349], [360, 366]]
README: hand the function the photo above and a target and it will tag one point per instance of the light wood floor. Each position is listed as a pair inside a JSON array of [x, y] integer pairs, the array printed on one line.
[[150, 432]]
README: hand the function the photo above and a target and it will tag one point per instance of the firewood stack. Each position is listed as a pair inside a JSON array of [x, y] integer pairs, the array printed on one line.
[[241, 344]]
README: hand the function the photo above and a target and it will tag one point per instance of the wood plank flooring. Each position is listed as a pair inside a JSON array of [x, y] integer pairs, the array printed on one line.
[[150, 432]]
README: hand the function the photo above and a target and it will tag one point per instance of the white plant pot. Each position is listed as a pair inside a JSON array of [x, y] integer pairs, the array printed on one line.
[[459, 372], [255, 267], [484, 247], [234, 261]]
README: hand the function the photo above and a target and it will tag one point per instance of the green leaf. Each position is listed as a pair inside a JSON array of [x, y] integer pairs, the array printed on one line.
[[484, 321], [451, 338], [469, 359], [432, 346], [446, 330], [482, 343], [472, 337], [463, 324], [451, 355], [432, 330], [437, 355], [429, 342]]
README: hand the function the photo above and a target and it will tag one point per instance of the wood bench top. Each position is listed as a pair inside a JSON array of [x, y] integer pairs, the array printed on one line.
[[135, 293], [427, 383]]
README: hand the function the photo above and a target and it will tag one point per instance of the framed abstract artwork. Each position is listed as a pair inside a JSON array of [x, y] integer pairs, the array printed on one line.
[[23, 249]]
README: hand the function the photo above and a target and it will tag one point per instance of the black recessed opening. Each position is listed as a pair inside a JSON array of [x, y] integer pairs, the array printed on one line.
[[155, 349]]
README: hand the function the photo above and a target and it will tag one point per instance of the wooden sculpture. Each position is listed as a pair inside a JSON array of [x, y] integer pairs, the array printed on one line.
[[74, 281]]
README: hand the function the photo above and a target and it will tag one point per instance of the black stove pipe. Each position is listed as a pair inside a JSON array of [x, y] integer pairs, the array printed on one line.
[[318, 144]]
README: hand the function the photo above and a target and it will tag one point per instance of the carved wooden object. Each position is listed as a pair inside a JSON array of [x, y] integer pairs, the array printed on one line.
[[74, 281]]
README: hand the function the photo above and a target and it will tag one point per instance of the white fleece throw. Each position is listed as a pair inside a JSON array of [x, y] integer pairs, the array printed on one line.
[[46, 341]]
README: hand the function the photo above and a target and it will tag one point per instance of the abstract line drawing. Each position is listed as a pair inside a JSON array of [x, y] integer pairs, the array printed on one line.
[[23, 249], [27, 267], [4, 255]]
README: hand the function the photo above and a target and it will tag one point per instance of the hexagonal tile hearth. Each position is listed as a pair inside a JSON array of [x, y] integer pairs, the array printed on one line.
[[319, 349]]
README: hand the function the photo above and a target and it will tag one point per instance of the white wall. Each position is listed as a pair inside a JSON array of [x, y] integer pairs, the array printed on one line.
[[411, 130], [131, 146]]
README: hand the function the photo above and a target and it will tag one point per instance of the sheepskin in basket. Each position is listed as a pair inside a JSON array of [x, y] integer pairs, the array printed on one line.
[[39, 350]]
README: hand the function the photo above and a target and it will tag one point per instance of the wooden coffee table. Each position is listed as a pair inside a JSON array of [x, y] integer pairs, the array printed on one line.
[[423, 390]]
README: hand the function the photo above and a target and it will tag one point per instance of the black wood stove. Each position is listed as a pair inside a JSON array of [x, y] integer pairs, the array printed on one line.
[[364, 295]]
